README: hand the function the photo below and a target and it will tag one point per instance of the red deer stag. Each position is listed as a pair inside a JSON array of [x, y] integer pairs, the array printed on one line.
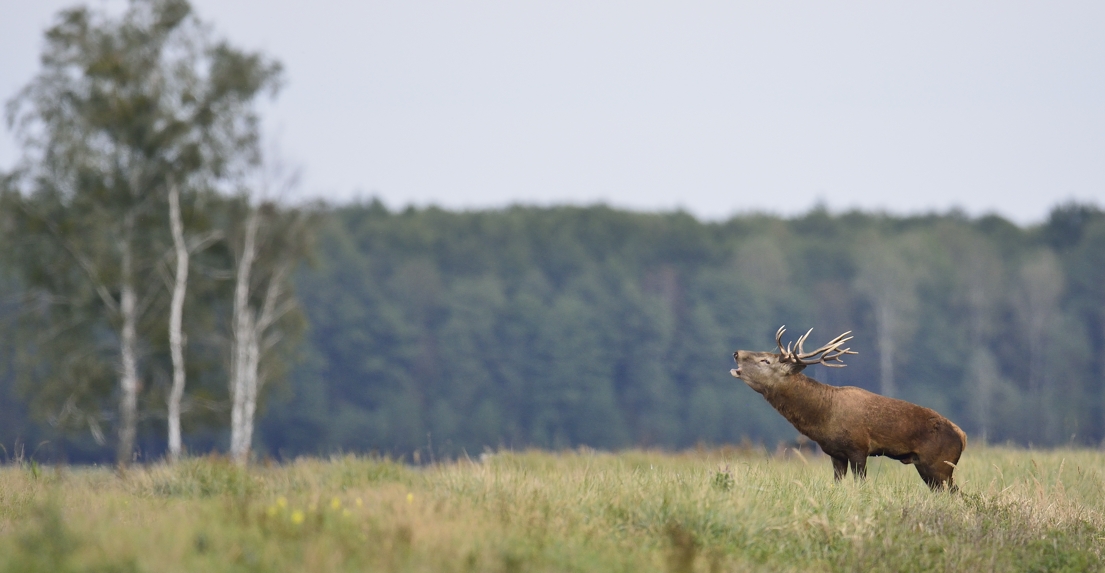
[[851, 423]]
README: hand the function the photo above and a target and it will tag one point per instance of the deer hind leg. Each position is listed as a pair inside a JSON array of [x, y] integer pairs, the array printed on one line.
[[859, 467], [840, 468]]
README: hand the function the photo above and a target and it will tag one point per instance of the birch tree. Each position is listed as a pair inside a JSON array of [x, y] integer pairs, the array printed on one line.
[[122, 106], [176, 315], [182, 255], [267, 247]]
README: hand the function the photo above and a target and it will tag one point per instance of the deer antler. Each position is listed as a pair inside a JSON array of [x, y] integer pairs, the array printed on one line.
[[831, 352]]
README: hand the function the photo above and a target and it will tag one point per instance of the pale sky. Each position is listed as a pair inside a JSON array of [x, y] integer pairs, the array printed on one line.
[[717, 108]]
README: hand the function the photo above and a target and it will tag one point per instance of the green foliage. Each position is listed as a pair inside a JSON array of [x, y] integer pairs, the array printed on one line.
[[443, 333]]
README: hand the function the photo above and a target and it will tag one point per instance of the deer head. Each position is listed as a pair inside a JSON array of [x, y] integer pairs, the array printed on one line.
[[763, 370]]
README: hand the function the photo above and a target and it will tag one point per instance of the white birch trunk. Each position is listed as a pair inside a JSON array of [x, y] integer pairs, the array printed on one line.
[[176, 312], [244, 389], [251, 338], [128, 352], [244, 348]]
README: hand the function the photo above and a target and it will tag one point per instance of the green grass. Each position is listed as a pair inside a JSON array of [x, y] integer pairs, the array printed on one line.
[[712, 510]]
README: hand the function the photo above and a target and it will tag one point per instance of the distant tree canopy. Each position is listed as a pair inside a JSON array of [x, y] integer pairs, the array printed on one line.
[[567, 326], [560, 327]]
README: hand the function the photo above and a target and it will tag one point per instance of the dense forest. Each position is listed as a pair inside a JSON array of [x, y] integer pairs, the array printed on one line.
[[435, 331], [567, 326], [157, 296]]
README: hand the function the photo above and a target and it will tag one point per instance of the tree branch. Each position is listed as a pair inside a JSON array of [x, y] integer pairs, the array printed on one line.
[[100, 288]]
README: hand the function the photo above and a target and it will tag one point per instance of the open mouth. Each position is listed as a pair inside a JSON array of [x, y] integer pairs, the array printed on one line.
[[736, 372]]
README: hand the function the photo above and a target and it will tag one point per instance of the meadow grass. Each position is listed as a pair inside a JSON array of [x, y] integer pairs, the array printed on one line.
[[705, 510]]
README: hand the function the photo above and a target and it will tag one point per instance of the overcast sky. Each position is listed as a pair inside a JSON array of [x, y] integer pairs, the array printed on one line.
[[713, 107]]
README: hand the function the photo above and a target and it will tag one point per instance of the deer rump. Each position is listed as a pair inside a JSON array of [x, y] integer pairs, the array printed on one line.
[[851, 424]]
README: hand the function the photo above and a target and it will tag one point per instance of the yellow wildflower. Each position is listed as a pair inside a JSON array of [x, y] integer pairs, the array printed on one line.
[[297, 517], [335, 503]]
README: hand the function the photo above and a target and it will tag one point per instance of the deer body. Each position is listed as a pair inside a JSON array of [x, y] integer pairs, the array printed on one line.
[[851, 424]]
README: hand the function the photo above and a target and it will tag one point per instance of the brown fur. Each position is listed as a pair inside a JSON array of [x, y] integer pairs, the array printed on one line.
[[851, 423]]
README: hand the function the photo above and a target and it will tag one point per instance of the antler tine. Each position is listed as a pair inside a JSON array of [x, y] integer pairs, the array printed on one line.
[[836, 353], [840, 339], [832, 345], [830, 356], [788, 352], [802, 339], [821, 356], [828, 353]]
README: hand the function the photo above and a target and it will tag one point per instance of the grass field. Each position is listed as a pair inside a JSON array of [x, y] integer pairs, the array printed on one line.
[[712, 510]]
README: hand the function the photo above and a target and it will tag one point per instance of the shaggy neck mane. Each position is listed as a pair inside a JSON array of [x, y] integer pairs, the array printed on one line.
[[803, 401]]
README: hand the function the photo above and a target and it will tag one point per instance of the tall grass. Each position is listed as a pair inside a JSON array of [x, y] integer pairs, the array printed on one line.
[[716, 510]]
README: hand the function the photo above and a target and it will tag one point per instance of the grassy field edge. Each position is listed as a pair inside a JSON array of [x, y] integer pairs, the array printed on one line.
[[584, 510]]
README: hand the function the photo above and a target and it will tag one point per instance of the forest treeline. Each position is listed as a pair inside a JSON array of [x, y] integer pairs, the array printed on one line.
[[559, 327], [157, 296]]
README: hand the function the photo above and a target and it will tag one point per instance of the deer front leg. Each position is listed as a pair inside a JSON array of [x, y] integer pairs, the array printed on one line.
[[840, 468]]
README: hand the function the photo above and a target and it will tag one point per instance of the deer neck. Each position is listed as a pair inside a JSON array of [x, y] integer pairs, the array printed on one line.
[[803, 401]]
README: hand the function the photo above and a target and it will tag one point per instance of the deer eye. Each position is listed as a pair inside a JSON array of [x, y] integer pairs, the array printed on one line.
[[765, 361]]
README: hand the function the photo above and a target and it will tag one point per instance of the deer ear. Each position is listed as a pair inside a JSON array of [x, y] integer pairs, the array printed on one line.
[[796, 367]]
